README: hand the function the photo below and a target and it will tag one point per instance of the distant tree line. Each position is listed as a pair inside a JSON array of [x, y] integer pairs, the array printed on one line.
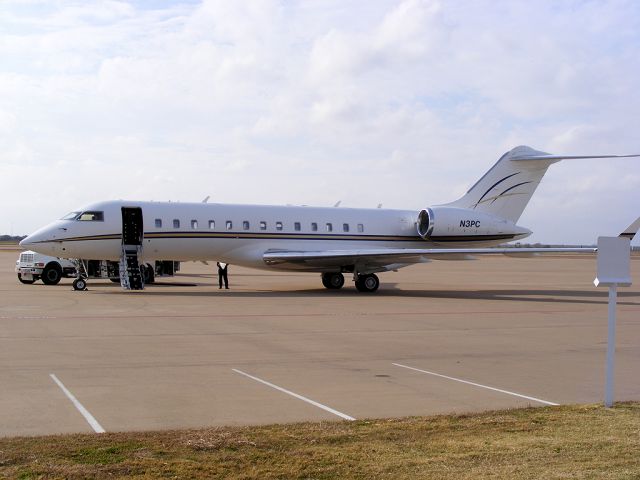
[[11, 238]]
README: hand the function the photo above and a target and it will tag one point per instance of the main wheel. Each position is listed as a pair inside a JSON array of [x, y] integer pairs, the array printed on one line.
[[26, 282], [332, 280], [51, 274], [367, 283], [79, 284]]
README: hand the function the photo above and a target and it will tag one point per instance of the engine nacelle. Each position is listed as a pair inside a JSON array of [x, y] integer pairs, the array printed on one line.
[[451, 223]]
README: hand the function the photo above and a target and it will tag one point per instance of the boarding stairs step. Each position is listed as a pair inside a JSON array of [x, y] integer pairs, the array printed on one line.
[[130, 275]]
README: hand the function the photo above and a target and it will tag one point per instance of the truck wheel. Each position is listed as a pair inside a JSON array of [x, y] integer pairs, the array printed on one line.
[[26, 282], [51, 274]]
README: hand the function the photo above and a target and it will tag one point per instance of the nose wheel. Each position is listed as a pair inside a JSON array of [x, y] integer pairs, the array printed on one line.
[[79, 284]]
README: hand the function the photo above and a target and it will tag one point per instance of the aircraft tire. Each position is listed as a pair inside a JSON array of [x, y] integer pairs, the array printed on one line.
[[51, 274], [79, 284], [367, 283], [26, 282], [332, 280]]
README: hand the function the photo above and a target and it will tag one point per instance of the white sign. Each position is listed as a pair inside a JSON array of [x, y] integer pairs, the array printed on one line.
[[614, 262], [614, 268]]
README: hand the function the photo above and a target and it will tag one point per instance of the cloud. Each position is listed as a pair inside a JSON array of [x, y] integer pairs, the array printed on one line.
[[404, 103]]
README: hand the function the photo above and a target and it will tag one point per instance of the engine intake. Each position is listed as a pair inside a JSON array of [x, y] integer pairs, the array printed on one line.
[[425, 223]]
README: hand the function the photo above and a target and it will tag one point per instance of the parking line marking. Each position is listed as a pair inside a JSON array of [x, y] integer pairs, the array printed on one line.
[[85, 413], [477, 385], [299, 397]]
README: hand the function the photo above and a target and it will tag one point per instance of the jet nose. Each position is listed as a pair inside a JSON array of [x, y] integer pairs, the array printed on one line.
[[26, 242], [42, 241]]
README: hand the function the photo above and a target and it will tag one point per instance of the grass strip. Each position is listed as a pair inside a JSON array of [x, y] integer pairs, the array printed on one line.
[[566, 442]]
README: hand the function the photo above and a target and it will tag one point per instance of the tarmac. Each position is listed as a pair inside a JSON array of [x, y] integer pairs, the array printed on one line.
[[443, 337]]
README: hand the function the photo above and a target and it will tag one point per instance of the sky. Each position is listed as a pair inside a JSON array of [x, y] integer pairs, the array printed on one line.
[[404, 103]]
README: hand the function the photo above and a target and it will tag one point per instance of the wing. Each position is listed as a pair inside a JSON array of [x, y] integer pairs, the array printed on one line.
[[383, 259]]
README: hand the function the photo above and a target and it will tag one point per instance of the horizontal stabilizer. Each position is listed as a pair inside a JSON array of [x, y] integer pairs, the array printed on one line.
[[631, 231], [519, 158]]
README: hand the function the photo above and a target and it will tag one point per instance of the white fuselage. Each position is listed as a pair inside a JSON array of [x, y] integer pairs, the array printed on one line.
[[241, 234]]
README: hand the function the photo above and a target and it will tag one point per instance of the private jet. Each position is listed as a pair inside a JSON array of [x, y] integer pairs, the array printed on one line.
[[329, 241]]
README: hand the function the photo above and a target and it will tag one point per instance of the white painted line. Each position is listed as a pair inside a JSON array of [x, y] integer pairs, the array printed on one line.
[[477, 384], [299, 397], [85, 413]]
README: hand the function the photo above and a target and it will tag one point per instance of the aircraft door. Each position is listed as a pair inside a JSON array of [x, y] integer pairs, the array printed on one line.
[[132, 227]]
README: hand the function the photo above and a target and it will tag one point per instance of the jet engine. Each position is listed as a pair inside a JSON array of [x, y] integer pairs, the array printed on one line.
[[451, 224]]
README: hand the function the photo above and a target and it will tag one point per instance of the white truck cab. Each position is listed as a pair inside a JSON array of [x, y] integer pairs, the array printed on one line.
[[32, 266]]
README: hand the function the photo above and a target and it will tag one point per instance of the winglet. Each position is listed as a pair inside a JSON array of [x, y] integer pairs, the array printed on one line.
[[631, 231]]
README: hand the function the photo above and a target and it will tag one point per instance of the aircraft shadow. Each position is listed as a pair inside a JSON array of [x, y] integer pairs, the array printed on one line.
[[599, 297], [389, 290]]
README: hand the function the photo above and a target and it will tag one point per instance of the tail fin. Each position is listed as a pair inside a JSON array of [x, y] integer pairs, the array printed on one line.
[[505, 190]]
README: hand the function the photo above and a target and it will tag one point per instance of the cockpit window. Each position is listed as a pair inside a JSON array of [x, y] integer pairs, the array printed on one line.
[[70, 216], [91, 217]]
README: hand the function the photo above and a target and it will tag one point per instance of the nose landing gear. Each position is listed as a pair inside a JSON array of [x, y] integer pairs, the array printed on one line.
[[80, 284]]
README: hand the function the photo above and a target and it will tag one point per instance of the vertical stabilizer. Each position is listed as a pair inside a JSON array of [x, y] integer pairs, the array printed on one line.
[[505, 190]]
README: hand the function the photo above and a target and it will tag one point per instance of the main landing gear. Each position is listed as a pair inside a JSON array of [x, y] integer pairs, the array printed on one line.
[[368, 283], [332, 280]]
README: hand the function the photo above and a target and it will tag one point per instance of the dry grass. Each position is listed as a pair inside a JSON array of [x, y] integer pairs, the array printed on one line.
[[557, 442]]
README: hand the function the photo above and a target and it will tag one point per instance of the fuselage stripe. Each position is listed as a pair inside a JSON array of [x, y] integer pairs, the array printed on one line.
[[288, 236]]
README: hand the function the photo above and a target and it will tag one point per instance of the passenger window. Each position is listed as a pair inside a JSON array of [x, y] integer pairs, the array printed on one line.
[[194, 224], [212, 224], [263, 225], [176, 223], [229, 224], [91, 217], [360, 228], [245, 225], [278, 225], [296, 226], [345, 227], [158, 223], [314, 227], [329, 227]]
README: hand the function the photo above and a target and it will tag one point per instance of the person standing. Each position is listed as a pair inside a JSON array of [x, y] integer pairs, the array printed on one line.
[[222, 274]]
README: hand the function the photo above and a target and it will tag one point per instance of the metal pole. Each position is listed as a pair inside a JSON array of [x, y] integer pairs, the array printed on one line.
[[611, 346]]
